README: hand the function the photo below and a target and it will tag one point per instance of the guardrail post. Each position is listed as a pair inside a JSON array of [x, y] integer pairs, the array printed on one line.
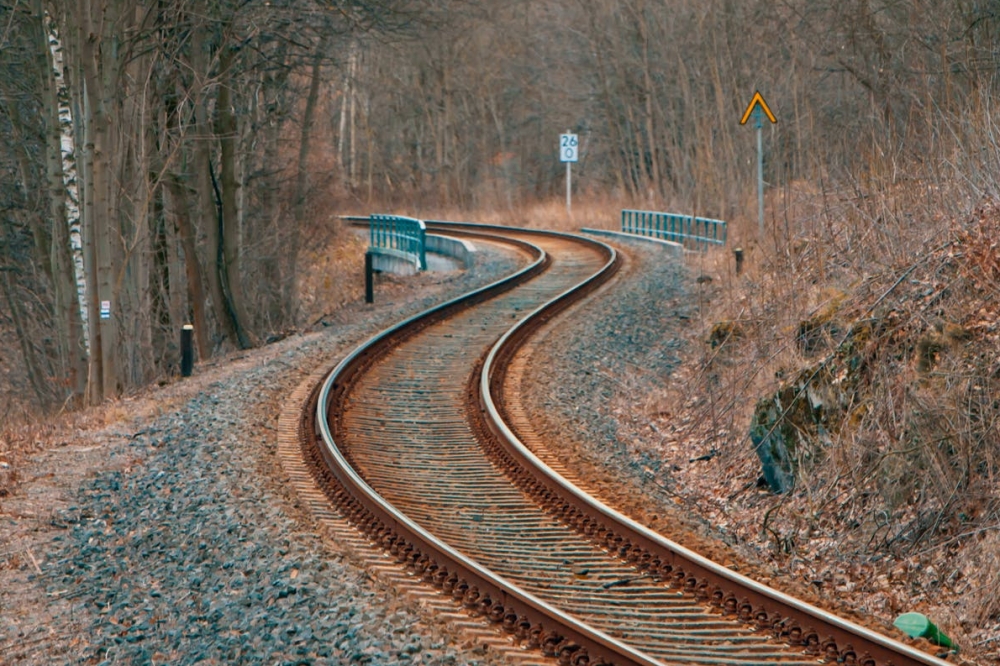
[[423, 248], [369, 278]]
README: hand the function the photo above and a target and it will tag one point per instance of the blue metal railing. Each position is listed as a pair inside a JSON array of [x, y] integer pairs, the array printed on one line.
[[405, 235], [688, 230]]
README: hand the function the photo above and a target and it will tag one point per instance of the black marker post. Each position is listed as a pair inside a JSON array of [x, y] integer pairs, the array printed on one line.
[[187, 350]]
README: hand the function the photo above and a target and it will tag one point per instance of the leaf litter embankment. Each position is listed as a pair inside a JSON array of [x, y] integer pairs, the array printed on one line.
[[895, 507], [889, 416], [178, 542]]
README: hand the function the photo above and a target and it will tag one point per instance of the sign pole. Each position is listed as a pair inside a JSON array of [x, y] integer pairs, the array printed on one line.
[[760, 172], [569, 188], [758, 109]]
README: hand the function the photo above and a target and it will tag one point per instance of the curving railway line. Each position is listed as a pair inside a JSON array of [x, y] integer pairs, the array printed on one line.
[[411, 438]]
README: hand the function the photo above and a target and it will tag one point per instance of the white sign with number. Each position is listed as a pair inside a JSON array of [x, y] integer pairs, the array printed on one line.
[[568, 147]]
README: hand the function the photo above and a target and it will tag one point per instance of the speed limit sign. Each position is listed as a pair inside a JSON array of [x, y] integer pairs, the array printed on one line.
[[568, 147]]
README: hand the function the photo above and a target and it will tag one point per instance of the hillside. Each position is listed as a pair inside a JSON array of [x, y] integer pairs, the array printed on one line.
[[876, 396]]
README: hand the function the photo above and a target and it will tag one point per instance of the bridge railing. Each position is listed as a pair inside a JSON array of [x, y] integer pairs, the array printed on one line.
[[398, 234], [696, 232]]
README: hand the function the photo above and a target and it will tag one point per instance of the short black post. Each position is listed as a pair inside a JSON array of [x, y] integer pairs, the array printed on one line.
[[369, 279], [187, 350], [738, 252]]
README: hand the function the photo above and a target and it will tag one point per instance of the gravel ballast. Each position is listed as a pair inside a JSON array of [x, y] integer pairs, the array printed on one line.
[[623, 344], [185, 547], [167, 534], [618, 396]]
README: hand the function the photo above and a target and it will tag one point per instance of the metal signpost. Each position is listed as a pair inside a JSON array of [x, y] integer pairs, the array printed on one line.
[[568, 153], [758, 107]]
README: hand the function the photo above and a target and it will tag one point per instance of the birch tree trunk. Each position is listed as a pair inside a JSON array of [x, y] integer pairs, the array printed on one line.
[[68, 123], [74, 34], [61, 182]]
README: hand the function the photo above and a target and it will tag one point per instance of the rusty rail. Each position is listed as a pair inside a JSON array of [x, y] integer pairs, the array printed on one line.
[[532, 620]]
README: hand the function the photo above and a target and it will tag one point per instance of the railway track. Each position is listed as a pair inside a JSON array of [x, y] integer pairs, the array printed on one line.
[[411, 439]]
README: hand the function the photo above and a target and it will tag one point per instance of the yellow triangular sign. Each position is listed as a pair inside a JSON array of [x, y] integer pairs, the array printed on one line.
[[757, 99]]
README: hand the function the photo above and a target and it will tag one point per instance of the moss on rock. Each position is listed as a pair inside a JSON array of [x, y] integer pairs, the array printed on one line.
[[791, 429]]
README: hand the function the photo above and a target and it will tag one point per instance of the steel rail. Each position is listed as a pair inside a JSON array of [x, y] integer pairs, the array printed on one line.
[[536, 621], [817, 630], [532, 619]]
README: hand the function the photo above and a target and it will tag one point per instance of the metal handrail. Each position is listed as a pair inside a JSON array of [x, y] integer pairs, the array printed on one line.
[[402, 234], [685, 229]]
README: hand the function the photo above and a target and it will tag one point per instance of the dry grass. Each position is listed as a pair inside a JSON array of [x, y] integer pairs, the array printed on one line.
[[332, 271], [21, 434], [587, 211], [898, 491]]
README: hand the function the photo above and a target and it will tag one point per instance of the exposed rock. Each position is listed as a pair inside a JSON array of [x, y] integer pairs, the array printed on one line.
[[791, 428]]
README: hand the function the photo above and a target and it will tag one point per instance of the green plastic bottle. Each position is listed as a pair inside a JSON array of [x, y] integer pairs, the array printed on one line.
[[916, 625]]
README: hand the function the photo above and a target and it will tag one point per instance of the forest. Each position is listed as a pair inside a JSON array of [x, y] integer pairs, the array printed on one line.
[[174, 162], [164, 163]]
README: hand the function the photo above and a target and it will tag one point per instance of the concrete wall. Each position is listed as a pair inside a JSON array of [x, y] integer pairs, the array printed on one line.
[[674, 249], [386, 260], [456, 248]]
